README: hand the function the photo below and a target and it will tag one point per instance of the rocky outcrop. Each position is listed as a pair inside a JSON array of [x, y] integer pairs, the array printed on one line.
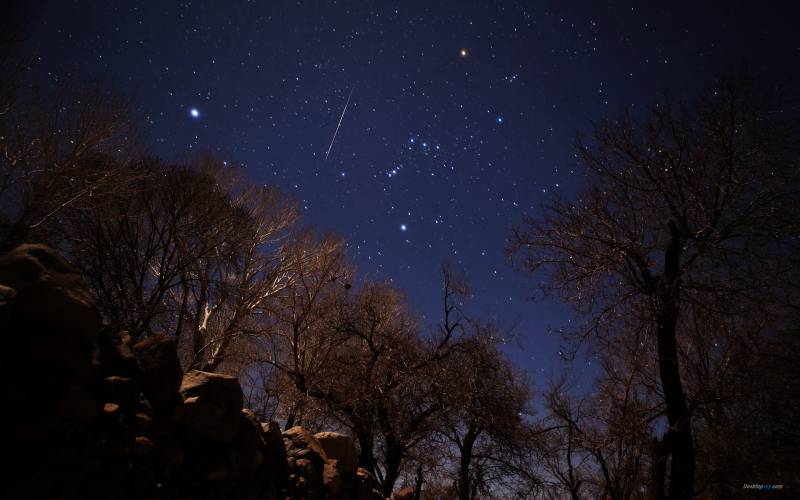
[[340, 448], [212, 405], [88, 413], [323, 465]]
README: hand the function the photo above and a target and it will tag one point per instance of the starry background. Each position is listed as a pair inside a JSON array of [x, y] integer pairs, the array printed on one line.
[[462, 115]]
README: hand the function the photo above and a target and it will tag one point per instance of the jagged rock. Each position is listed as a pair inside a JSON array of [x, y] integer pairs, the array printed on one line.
[[300, 443], [305, 480], [332, 477], [212, 405], [48, 293], [339, 447], [247, 445], [160, 368], [49, 324], [63, 354], [306, 460], [274, 450]]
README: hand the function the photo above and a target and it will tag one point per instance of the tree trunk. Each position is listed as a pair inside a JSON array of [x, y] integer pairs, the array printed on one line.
[[182, 312], [679, 435], [394, 458], [418, 485], [217, 357], [464, 480], [296, 412], [366, 459]]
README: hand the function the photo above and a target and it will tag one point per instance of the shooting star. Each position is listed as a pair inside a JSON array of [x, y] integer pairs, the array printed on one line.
[[340, 124]]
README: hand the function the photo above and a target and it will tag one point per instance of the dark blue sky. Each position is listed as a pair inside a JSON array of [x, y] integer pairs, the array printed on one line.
[[440, 151]]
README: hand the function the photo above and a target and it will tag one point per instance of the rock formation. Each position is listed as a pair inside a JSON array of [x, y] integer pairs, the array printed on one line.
[[90, 414]]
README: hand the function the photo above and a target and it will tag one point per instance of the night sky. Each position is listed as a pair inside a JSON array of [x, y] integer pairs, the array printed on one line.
[[462, 116]]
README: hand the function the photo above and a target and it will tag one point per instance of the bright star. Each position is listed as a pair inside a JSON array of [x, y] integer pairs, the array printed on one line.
[[499, 119], [463, 52], [194, 112], [403, 227]]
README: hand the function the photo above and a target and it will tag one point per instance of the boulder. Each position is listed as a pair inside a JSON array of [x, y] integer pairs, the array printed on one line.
[[160, 369], [332, 477], [111, 409], [62, 354], [50, 324], [246, 453], [212, 405], [301, 444], [306, 460], [274, 449], [48, 293], [339, 447], [305, 479]]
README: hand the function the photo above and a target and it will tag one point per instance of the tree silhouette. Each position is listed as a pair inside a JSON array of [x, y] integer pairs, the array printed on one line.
[[685, 210]]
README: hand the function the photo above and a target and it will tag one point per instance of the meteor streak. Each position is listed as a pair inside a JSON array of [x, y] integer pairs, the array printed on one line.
[[339, 124]]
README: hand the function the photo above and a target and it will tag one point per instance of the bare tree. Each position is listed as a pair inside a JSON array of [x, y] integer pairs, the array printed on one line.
[[379, 382], [59, 147], [136, 249], [227, 293], [359, 353], [487, 404], [190, 249], [685, 210], [298, 331]]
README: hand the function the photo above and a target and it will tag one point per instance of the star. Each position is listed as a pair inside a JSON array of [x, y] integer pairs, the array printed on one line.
[[194, 112], [403, 227], [463, 53]]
